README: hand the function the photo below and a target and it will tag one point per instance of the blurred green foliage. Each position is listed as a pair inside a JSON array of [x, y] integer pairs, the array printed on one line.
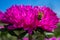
[[37, 35], [57, 31]]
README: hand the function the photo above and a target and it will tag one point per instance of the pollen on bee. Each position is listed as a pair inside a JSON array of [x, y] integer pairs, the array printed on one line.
[[40, 15]]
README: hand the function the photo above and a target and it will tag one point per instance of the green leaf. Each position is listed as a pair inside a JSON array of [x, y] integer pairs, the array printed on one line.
[[22, 34], [12, 33], [3, 24], [57, 31], [40, 30]]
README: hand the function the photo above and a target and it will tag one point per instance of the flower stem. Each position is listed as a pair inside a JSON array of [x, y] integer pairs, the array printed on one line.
[[30, 37]]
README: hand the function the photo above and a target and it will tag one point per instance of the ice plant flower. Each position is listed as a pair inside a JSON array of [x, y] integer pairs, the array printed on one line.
[[29, 18], [59, 20], [53, 38], [58, 38], [20, 17], [25, 38], [48, 19], [1, 27], [1, 15]]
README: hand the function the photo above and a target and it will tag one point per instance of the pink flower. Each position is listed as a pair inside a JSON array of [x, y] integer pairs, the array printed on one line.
[[25, 38], [1, 27], [48, 20], [53, 38], [59, 20], [21, 17], [58, 38], [1, 15], [29, 18]]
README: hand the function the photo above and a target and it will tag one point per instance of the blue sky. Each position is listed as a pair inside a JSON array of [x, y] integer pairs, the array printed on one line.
[[53, 4]]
